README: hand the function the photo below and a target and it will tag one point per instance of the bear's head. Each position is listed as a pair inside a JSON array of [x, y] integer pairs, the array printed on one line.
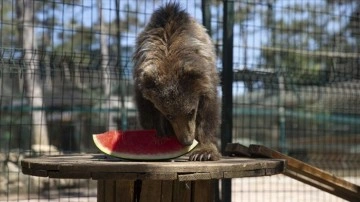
[[177, 92]]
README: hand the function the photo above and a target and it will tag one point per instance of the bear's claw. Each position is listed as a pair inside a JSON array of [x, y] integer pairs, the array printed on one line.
[[203, 156]]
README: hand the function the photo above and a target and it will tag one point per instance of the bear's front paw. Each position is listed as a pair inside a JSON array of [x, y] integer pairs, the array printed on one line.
[[204, 155]]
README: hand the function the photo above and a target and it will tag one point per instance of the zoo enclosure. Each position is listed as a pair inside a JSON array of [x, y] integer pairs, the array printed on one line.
[[290, 79]]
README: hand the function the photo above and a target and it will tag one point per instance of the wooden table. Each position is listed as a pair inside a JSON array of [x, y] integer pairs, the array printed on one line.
[[176, 180]]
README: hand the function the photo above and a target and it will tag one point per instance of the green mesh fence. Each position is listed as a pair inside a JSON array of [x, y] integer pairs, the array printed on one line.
[[291, 70]]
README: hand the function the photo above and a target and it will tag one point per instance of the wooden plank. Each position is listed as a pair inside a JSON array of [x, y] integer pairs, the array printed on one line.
[[151, 191], [105, 190], [99, 168], [109, 190], [217, 175], [158, 176], [95, 164], [316, 184], [39, 173], [202, 191], [166, 190], [133, 176], [274, 171], [235, 149], [39, 163], [101, 191], [200, 176], [310, 174], [113, 176], [181, 191], [115, 190], [124, 190], [193, 176], [253, 173], [69, 175], [246, 173]]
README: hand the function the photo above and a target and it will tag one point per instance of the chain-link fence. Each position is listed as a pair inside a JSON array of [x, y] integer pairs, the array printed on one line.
[[290, 75]]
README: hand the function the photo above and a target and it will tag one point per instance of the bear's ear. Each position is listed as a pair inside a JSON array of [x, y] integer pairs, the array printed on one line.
[[197, 80], [193, 78], [191, 72], [149, 79], [148, 82]]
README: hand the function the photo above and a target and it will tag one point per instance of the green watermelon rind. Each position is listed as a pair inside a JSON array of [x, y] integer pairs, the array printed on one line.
[[149, 157]]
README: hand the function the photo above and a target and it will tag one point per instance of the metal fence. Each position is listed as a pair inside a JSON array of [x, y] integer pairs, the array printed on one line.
[[290, 80]]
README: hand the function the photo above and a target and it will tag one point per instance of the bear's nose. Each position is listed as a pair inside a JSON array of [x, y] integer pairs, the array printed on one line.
[[187, 141]]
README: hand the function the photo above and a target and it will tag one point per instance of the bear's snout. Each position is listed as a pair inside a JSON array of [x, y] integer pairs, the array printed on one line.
[[184, 130], [187, 141]]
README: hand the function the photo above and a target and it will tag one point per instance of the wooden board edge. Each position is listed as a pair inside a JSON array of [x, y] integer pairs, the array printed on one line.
[[304, 170]]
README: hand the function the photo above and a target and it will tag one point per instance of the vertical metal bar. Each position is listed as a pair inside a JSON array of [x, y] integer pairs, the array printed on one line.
[[122, 70], [206, 14], [206, 20], [227, 81], [227, 74]]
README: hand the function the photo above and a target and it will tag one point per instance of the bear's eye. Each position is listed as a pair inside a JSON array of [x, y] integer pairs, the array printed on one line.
[[191, 114], [149, 83], [170, 117]]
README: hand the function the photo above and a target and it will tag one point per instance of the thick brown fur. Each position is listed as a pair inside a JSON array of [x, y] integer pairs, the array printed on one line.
[[176, 80]]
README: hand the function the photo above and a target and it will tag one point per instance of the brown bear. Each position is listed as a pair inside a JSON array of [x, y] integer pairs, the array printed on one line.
[[176, 80]]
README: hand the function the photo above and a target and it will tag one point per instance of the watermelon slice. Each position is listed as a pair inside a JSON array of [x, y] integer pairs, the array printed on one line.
[[140, 145]]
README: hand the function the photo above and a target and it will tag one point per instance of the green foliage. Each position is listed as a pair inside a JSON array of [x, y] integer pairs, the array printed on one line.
[[300, 33], [8, 29]]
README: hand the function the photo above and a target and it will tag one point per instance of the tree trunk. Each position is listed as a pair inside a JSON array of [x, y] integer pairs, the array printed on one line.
[[106, 80], [104, 53], [32, 86]]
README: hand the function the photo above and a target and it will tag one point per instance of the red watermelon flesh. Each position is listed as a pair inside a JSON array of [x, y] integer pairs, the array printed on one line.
[[140, 145]]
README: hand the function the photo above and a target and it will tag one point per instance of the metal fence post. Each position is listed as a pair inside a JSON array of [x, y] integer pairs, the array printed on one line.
[[227, 81]]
